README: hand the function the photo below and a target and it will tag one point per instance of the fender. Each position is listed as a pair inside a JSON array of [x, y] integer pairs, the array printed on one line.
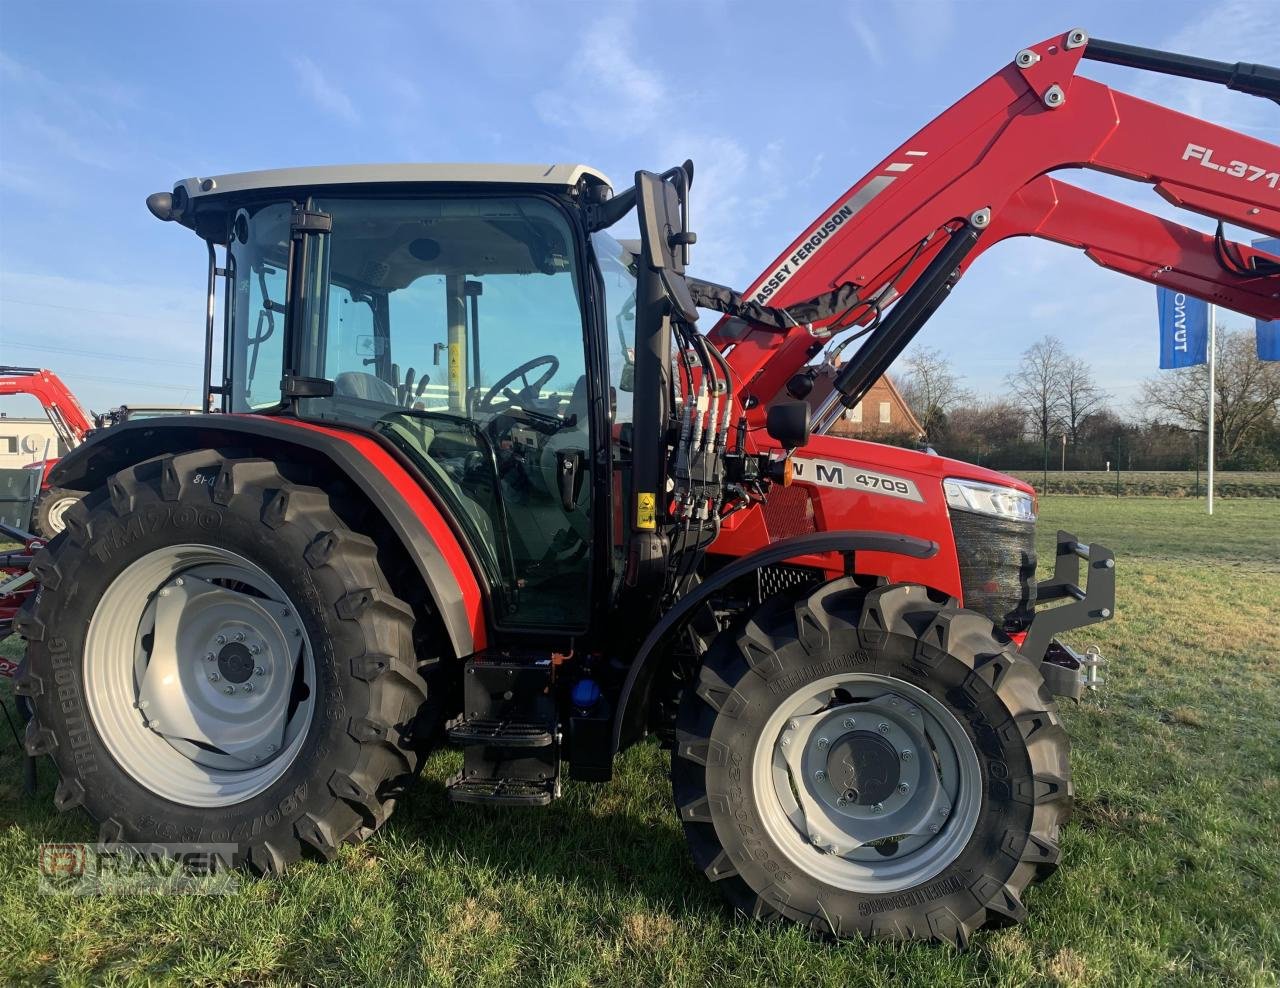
[[390, 484], [633, 703]]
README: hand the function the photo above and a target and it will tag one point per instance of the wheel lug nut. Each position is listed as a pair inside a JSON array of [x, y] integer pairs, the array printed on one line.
[[820, 775], [248, 687], [255, 649], [841, 801], [814, 839], [214, 677], [164, 592], [906, 754], [259, 671], [785, 742], [228, 690], [942, 811], [823, 742], [792, 725], [849, 722], [883, 728], [271, 747], [903, 788], [878, 808], [285, 612], [209, 656], [933, 828], [221, 639], [239, 636], [178, 582]]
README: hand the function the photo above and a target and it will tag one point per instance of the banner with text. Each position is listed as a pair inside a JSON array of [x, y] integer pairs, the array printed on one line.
[[1268, 332], [1184, 329]]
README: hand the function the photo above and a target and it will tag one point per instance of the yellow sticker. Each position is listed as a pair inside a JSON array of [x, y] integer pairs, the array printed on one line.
[[455, 361], [646, 511]]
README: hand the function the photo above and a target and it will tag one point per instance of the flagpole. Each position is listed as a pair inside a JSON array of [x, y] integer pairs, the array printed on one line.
[[1213, 348]]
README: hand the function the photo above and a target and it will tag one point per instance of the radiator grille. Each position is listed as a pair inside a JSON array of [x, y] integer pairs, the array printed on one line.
[[788, 511], [997, 567]]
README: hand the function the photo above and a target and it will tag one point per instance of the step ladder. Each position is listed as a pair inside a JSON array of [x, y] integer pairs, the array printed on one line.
[[509, 734]]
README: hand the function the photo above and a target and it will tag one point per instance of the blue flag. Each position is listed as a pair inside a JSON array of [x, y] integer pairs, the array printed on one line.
[[1184, 329], [1268, 332]]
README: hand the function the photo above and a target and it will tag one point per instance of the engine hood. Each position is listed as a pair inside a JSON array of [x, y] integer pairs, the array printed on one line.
[[895, 458]]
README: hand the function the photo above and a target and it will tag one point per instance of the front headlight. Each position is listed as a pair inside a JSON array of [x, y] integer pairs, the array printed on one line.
[[989, 499]]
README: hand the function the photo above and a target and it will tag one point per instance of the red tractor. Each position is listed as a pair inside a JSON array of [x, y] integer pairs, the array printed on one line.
[[481, 476], [70, 423]]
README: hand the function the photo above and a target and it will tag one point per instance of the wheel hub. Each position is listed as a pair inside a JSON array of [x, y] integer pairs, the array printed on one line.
[[235, 663], [863, 767]]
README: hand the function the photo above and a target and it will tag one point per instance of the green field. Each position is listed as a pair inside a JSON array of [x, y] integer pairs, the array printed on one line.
[[1170, 876], [1154, 483]]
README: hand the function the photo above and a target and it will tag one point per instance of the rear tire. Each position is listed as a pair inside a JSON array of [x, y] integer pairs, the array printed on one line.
[[261, 553], [812, 687], [51, 511]]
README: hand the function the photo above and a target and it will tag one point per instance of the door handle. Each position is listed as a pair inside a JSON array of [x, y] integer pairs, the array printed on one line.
[[569, 474]]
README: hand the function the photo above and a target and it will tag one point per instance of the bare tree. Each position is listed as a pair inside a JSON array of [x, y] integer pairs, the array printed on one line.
[[1247, 393], [1081, 397], [931, 388], [1037, 387]]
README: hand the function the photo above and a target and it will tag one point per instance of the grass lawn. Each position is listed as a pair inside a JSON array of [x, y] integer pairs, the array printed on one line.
[[1171, 867]]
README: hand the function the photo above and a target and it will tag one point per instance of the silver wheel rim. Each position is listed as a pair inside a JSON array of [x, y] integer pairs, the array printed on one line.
[[56, 515], [867, 783], [200, 677]]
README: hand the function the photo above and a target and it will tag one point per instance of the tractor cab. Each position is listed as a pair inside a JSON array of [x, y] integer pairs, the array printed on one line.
[[477, 319]]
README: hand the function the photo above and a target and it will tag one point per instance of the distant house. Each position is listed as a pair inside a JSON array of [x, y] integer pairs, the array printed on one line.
[[880, 414], [25, 440]]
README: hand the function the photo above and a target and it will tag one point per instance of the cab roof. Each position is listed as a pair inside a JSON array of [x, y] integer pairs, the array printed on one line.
[[563, 176]]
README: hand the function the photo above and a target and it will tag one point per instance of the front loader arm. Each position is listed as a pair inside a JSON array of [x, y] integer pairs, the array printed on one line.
[[976, 161], [64, 411], [1134, 242]]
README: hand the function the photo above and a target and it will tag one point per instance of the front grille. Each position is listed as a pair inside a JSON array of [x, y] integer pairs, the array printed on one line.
[[997, 567]]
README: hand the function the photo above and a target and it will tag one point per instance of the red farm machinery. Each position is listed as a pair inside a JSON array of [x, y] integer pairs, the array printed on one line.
[[478, 476]]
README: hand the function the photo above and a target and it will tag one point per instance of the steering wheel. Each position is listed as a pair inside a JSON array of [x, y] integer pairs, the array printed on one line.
[[529, 392]]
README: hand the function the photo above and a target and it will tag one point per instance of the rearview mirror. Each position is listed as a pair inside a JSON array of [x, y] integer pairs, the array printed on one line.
[[664, 240]]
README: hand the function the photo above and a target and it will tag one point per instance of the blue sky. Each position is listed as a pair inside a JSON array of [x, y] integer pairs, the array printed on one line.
[[781, 106]]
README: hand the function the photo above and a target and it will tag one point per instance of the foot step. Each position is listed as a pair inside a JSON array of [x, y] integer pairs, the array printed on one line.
[[500, 733], [502, 792]]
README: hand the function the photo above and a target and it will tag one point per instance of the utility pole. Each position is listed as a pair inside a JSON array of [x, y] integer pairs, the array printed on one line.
[[1213, 361]]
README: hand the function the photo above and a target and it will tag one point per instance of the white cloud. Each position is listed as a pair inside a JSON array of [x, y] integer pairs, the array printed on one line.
[[324, 93], [604, 89], [866, 37]]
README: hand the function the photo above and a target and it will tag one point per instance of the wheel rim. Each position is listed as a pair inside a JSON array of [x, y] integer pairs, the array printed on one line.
[[200, 677], [56, 515], [867, 783]]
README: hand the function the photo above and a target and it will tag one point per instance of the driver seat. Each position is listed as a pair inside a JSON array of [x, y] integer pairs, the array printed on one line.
[[366, 387]]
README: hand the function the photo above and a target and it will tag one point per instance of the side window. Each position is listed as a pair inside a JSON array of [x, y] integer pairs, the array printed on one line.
[[418, 323], [260, 256], [351, 342], [620, 322]]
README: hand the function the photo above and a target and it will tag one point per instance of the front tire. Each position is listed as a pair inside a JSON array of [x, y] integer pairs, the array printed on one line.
[[871, 762], [214, 657], [51, 510]]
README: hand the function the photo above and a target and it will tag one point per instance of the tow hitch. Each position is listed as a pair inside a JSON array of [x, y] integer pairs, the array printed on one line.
[[1066, 671]]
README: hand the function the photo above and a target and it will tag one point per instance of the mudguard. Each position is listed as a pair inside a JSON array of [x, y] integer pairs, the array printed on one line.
[[633, 703], [390, 484]]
